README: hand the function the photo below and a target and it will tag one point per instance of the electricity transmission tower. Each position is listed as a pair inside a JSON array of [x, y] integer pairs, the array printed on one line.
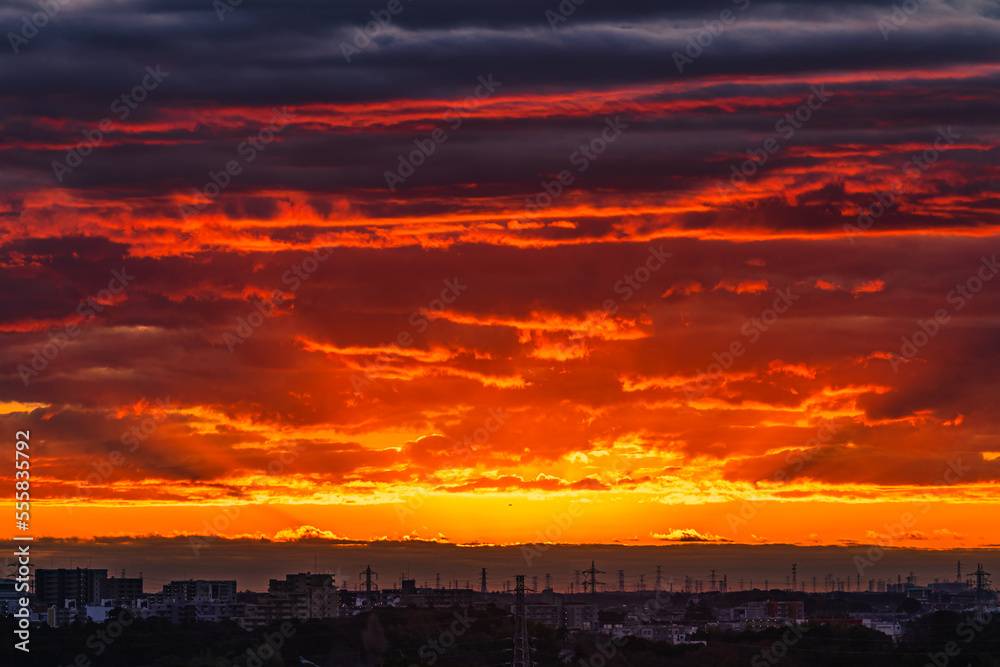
[[522, 643], [591, 579], [982, 581], [367, 574]]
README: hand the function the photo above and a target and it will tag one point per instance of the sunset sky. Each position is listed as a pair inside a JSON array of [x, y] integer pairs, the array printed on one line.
[[266, 276]]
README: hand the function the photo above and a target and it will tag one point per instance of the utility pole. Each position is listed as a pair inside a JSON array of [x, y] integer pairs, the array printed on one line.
[[794, 567], [659, 577], [483, 587], [522, 643], [712, 580], [621, 581]]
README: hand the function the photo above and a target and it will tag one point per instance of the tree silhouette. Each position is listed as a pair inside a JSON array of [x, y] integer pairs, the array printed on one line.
[[373, 640]]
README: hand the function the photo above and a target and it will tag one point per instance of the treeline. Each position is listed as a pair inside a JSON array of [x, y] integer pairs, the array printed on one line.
[[483, 638]]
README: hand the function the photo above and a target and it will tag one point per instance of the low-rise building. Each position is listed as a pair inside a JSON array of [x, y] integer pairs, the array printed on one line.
[[656, 632], [758, 624], [892, 628], [554, 610], [793, 609]]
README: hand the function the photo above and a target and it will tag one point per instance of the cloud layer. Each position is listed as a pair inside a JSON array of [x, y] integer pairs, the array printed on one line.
[[643, 251]]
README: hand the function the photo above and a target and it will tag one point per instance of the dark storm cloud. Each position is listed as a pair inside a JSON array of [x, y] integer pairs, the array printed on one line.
[[510, 157], [276, 53]]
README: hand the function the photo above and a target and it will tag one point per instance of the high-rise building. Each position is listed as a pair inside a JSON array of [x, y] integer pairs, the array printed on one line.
[[10, 597], [83, 585], [124, 589], [304, 596], [215, 590]]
